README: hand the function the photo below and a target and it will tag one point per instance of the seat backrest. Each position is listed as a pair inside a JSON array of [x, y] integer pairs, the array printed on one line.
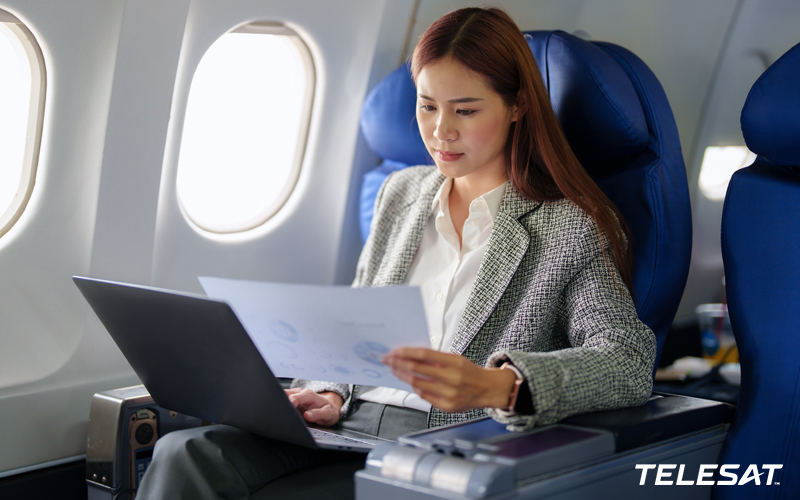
[[617, 120], [389, 125], [760, 240]]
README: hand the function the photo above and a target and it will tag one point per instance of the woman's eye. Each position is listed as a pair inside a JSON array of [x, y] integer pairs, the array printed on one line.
[[426, 107], [466, 112]]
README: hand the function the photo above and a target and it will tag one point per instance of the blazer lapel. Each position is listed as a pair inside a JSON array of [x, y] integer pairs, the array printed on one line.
[[410, 226], [507, 246]]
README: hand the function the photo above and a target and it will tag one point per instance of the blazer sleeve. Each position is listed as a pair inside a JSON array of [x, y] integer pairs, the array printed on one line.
[[611, 359]]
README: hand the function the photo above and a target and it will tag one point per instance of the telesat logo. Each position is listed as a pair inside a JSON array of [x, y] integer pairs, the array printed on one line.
[[705, 474]]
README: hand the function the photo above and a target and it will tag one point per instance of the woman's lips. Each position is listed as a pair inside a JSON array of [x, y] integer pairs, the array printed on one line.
[[447, 156]]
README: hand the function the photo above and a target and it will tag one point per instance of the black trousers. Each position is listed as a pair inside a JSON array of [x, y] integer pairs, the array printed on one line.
[[222, 462]]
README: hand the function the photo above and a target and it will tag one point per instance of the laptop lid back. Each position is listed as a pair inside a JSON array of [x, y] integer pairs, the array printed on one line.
[[194, 357]]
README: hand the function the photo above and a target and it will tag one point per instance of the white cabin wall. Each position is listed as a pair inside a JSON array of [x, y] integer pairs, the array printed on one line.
[[111, 70], [42, 313], [52, 239], [144, 77], [395, 25], [310, 237]]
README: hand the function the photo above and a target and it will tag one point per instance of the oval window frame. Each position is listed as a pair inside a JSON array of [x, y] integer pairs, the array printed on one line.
[[35, 125], [307, 61]]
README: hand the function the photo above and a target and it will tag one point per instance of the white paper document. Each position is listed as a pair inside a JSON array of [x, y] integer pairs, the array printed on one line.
[[331, 333]]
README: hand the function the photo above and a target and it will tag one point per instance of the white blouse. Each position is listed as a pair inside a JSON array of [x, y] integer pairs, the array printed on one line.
[[445, 272]]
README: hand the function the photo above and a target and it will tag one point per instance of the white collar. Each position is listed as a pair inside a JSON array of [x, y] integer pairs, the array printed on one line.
[[492, 199]]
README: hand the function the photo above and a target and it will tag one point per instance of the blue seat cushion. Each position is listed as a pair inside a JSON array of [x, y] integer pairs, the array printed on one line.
[[389, 121], [595, 101], [760, 238], [771, 114], [371, 184]]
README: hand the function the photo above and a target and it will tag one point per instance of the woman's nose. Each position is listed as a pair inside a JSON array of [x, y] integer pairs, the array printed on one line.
[[445, 131]]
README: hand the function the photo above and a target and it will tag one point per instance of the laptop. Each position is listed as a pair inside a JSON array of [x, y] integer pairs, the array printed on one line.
[[195, 357]]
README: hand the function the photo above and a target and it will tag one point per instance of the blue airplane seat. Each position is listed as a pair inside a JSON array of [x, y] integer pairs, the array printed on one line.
[[617, 120], [389, 125], [760, 238]]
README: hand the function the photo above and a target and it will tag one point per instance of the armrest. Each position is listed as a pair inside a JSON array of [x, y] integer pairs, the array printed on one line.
[[664, 416]]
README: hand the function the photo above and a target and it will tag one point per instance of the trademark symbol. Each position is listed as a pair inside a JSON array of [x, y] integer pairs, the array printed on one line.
[[777, 483]]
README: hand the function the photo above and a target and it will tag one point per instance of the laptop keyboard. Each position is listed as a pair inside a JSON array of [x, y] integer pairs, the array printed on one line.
[[335, 438]]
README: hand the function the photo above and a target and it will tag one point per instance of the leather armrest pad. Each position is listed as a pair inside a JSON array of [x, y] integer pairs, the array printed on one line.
[[664, 416]]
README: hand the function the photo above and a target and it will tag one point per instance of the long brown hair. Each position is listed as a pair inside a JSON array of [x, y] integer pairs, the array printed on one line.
[[541, 163]]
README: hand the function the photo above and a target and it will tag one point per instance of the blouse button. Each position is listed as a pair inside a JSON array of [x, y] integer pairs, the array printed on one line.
[[440, 295], [433, 340]]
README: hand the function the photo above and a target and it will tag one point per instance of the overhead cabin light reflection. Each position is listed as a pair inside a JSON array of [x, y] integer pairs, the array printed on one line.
[[719, 164], [244, 129]]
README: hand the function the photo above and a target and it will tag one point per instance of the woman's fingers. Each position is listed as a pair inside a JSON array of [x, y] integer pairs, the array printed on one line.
[[325, 416], [314, 407], [421, 354], [444, 397], [429, 386], [301, 399], [307, 400], [420, 368], [449, 381], [446, 368]]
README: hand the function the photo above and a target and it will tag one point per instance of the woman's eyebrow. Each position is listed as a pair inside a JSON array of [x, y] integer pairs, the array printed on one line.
[[460, 100]]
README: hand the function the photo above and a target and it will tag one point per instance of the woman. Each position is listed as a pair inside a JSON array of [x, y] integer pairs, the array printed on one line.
[[522, 261]]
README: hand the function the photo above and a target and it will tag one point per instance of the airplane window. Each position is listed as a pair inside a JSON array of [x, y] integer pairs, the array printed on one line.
[[719, 164], [245, 128], [22, 103]]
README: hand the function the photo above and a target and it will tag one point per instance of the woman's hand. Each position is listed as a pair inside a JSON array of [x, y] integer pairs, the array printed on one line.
[[451, 382], [321, 409]]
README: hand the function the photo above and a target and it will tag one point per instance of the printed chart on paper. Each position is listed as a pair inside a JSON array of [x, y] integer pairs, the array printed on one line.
[[330, 333]]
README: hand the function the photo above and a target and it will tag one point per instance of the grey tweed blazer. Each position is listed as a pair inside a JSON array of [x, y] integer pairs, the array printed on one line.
[[544, 299]]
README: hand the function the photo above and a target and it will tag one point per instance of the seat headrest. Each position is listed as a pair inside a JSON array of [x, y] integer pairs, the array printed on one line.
[[771, 114], [595, 101], [389, 122]]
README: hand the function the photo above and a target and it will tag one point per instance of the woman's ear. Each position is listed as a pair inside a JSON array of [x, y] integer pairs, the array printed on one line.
[[517, 107]]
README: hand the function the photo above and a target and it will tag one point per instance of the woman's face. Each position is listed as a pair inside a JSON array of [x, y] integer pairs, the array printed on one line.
[[463, 122]]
